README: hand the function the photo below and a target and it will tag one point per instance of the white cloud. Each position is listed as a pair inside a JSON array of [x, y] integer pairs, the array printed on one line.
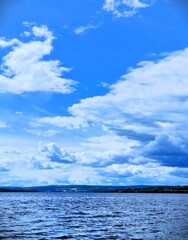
[[8, 43], [52, 153], [26, 34], [42, 31], [149, 103], [84, 175], [44, 133], [83, 29], [155, 92], [137, 133], [24, 70], [125, 8], [52, 164], [68, 122], [48, 164]]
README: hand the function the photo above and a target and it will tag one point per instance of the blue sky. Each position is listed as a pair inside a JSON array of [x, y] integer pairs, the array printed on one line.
[[93, 92]]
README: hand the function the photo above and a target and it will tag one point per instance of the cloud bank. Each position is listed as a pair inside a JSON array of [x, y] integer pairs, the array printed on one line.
[[142, 120], [136, 133], [52, 164]]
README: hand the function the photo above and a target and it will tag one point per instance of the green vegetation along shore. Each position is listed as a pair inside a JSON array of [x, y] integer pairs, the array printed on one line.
[[99, 189]]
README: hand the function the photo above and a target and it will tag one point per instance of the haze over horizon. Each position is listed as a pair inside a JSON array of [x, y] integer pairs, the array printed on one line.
[[93, 92]]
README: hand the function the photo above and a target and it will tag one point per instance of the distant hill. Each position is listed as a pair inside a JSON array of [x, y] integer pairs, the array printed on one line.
[[99, 189]]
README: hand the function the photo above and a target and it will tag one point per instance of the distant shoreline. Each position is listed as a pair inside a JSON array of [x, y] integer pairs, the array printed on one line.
[[99, 189]]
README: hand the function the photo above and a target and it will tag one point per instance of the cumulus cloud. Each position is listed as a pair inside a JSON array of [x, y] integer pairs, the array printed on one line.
[[7, 43], [54, 153], [169, 151], [98, 151], [128, 174], [24, 68], [146, 110], [45, 156], [125, 8], [58, 166], [89, 166]]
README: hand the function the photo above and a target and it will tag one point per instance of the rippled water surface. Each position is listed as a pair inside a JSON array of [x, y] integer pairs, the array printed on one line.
[[93, 216]]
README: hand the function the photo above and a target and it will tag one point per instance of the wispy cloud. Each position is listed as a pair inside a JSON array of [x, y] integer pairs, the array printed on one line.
[[3, 124], [44, 133], [125, 8], [24, 70], [81, 30]]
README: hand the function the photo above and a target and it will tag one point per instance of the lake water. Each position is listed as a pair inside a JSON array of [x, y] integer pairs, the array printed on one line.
[[93, 216]]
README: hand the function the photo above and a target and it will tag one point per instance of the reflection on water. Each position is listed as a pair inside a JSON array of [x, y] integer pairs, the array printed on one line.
[[93, 216]]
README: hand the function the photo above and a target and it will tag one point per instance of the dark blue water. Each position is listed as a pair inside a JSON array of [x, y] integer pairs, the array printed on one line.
[[93, 216]]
